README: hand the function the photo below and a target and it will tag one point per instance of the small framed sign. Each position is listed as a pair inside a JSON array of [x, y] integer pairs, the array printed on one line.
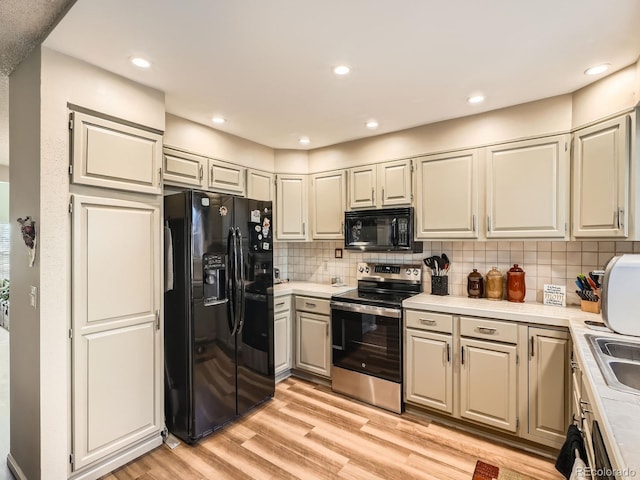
[[554, 295]]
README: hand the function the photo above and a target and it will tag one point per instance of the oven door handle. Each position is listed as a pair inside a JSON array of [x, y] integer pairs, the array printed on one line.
[[368, 309]]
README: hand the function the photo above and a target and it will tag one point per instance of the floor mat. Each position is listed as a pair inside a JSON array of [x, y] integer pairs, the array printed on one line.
[[484, 471]]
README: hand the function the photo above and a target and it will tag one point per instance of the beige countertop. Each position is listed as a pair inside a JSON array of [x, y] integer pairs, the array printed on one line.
[[319, 290], [618, 411], [502, 310]]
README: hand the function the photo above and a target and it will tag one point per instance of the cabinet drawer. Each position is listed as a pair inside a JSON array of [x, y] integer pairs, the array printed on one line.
[[436, 322], [489, 329], [282, 304], [315, 305]]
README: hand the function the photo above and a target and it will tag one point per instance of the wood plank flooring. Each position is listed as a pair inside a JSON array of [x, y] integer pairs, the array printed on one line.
[[308, 432]]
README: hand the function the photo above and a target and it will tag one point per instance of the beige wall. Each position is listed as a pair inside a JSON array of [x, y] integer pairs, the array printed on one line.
[[291, 161], [614, 93], [209, 142], [25, 356], [4, 171], [4, 120], [41, 91]]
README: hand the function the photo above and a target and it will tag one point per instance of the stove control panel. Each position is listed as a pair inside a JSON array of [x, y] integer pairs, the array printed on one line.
[[389, 271]]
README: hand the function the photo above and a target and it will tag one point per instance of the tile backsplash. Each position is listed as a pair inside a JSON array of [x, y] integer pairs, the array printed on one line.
[[543, 261]]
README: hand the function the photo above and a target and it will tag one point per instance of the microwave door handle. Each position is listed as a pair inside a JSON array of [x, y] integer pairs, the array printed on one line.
[[231, 315], [394, 232]]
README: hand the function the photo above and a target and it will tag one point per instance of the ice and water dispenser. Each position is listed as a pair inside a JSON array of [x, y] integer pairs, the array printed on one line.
[[214, 275]]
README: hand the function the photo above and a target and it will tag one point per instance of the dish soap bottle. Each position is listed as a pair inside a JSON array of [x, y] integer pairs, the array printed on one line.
[[494, 284], [515, 284]]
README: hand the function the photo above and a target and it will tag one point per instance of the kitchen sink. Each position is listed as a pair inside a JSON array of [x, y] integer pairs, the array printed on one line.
[[619, 362], [627, 373]]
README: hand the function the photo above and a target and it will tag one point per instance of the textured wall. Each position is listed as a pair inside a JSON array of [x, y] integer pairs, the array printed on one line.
[[4, 121]]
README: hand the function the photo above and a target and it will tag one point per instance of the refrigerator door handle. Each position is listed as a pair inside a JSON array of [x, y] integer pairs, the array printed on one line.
[[242, 283], [231, 315], [237, 268]]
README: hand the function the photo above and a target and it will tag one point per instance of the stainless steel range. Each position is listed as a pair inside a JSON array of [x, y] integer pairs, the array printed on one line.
[[367, 334]]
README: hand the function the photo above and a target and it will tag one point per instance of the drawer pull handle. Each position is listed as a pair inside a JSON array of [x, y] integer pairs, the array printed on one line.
[[427, 321], [309, 304], [487, 330], [279, 304]]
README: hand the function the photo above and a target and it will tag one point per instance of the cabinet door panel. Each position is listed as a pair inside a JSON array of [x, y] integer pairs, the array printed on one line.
[[488, 383], [259, 185], [291, 207], [362, 187], [432, 386], [183, 168], [116, 356], [394, 183], [113, 155], [527, 189], [226, 177], [447, 203], [328, 204], [313, 350], [548, 384], [282, 341], [600, 180]]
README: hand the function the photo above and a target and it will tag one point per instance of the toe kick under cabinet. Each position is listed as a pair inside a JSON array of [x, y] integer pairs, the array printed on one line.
[[510, 376]]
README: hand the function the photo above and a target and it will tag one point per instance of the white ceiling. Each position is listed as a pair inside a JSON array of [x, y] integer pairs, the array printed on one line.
[[266, 66]]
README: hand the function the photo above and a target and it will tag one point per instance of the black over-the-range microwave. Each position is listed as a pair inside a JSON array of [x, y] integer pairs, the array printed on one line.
[[382, 230]]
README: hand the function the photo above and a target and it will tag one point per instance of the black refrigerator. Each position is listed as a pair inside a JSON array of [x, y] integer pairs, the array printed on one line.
[[218, 306]]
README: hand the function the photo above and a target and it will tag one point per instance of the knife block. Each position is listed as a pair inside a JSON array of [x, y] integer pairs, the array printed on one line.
[[592, 307]]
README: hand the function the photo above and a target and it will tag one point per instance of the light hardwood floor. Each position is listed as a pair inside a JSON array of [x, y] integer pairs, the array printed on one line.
[[308, 432]]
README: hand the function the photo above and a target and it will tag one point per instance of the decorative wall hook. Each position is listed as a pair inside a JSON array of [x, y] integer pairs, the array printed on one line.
[[28, 230]]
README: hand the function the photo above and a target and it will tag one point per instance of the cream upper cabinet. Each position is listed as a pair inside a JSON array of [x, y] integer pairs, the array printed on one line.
[[362, 187], [447, 195], [549, 385], [260, 185], [527, 188], [116, 350], [291, 207], [328, 203], [226, 177], [601, 179], [383, 185], [113, 155], [181, 168]]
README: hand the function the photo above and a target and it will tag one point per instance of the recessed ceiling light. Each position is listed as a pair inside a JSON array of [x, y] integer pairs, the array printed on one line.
[[218, 120], [341, 70], [141, 62], [473, 99], [372, 124], [595, 70], [305, 140]]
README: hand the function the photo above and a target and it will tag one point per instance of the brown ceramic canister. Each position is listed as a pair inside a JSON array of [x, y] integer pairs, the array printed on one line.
[[494, 285], [515, 284], [475, 284]]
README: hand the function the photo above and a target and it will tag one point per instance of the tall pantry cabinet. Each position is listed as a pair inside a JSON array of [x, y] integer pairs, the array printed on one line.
[[116, 336]]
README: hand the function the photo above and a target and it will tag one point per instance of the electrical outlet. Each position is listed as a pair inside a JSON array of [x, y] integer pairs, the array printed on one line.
[[325, 265]]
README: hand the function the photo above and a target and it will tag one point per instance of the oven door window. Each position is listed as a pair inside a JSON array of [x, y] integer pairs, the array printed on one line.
[[367, 343]]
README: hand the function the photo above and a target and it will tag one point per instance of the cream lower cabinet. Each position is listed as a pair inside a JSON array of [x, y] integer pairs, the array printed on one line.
[[116, 343], [601, 162], [549, 385], [527, 188], [489, 383], [313, 336], [328, 203], [428, 370], [282, 334]]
